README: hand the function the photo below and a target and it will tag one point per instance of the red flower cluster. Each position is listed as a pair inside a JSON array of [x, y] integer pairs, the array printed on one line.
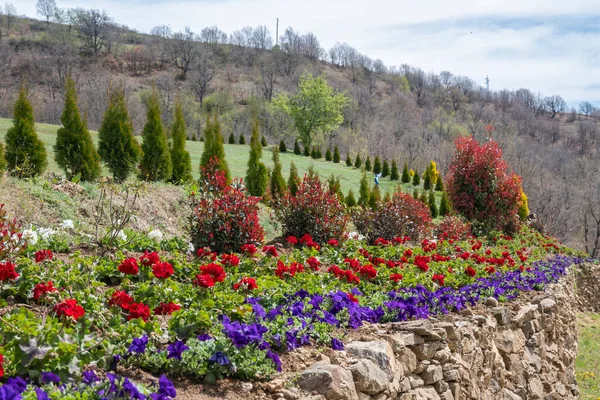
[[209, 275], [230, 260], [1, 365], [308, 241], [149, 258], [344, 274], [129, 266], [120, 299], [422, 262], [42, 255], [284, 271], [396, 277], [43, 288], [293, 240], [428, 246], [69, 308], [367, 271], [246, 283], [314, 263], [333, 242], [162, 270], [249, 249], [439, 278], [7, 271], [470, 271], [167, 308], [206, 252], [401, 240], [270, 250], [381, 242], [138, 310]]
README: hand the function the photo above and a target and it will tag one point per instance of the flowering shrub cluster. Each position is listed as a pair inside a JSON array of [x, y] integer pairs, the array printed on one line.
[[11, 237], [453, 228], [401, 216], [225, 216], [481, 188], [312, 210]]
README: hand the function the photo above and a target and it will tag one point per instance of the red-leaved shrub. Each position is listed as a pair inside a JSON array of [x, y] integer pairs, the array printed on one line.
[[225, 217], [453, 228], [480, 186], [11, 237], [312, 210], [401, 216]]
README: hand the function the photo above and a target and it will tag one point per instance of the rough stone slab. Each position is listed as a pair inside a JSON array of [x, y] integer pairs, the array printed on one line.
[[329, 380]]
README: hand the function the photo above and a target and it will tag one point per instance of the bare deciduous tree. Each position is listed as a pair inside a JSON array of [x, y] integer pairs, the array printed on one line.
[[555, 104], [202, 74], [93, 26], [183, 50], [10, 14], [46, 9], [586, 108]]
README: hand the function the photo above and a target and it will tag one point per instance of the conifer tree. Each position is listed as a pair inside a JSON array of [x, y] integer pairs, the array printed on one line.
[[427, 181], [313, 153], [445, 208], [336, 155], [439, 185], [25, 153], [405, 174], [231, 138], [319, 155], [350, 200], [328, 155], [242, 139], [297, 149], [523, 207], [74, 149], [348, 161], [394, 175], [293, 180], [307, 151], [416, 179], [213, 145], [368, 165], [156, 161], [385, 170], [194, 137], [357, 161], [416, 194], [377, 166], [282, 148], [2, 159], [263, 142], [117, 147], [180, 157], [423, 198], [257, 177], [432, 205], [387, 198], [364, 191], [375, 198], [277, 181]]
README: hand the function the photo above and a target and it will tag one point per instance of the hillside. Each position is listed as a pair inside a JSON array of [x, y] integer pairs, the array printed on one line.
[[396, 112]]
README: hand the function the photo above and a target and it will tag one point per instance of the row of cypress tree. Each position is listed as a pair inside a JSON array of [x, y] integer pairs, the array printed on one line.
[[74, 150]]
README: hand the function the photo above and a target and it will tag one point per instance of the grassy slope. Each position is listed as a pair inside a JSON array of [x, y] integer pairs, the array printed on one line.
[[588, 362], [237, 157]]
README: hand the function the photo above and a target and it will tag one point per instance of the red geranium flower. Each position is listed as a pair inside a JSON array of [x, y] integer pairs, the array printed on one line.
[[230, 260], [129, 266], [293, 240], [7, 271], [162, 270], [352, 298], [396, 277], [69, 308], [470, 271], [249, 249], [166, 308], [42, 255], [333, 243], [215, 271], [149, 258], [246, 283], [314, 263], [271, 250], [42, 288], [204, 280], [1, 365], [138, 310], [439, 278], [120, 299]]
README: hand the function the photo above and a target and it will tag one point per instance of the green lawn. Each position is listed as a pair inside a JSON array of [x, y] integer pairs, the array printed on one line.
[[237, 158], [587, 363]]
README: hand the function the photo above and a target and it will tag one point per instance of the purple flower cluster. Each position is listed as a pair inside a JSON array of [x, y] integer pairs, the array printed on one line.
[[242, 335]]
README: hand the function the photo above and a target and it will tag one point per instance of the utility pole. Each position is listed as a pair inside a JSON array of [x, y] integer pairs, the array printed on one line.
[[487, 82], [277, 33]]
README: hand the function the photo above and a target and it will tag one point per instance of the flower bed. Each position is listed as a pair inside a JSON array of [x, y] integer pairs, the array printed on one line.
[[206, 316]]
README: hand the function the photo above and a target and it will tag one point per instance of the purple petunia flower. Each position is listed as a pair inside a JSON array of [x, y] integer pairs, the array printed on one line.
[[337, 344], [89, 377], [9, 392], [220, 358], [17, 383], [131, 389], [41, 395], [49, 377], [204, 337], [176, 349], [138, 345], [275, 358], [166, 390]]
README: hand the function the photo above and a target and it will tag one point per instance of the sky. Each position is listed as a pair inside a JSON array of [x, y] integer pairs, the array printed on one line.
[[548, 46]]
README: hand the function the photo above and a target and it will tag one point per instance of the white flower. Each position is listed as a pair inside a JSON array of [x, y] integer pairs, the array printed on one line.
[[46, 233], [190, 248], [355, 235], [67, 224], [121, 235], [156, 235], [30, 236]]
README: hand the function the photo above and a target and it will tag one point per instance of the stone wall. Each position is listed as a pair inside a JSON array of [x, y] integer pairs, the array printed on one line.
[[587, 287], [524, 349]]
